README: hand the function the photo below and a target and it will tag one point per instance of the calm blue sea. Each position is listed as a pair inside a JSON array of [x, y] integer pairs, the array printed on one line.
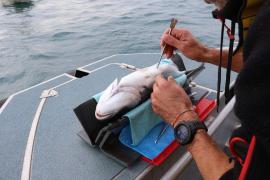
[[47, 38]]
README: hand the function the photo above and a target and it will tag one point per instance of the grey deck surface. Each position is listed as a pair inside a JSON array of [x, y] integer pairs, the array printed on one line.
[[58, 152], [16, 120]]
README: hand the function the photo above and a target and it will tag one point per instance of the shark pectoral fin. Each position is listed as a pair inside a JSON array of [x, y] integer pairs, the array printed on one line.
[[114, 84], [109, 91]]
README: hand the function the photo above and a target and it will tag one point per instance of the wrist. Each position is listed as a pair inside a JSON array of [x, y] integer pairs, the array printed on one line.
[[189, 115], [210, 55]]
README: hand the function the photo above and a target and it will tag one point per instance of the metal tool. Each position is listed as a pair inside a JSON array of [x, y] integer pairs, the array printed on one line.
[[172, 26], [161, 133]]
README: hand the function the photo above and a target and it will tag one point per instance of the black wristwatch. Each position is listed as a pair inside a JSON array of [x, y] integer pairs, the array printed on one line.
[[185, 131]]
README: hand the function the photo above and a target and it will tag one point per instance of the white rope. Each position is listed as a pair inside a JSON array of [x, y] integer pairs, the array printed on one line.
[[26, 169]]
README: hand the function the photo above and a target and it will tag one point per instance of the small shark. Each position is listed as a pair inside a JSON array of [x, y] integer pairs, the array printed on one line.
[[131, 89]]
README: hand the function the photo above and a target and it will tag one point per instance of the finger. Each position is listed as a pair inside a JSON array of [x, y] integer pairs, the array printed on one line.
[[167, 31], [180, 33], [155, 88], [153, 102], [169, 51], [155, 109], [171, 79], [162, 43], [160, 80], [172, 41], [152, 97]]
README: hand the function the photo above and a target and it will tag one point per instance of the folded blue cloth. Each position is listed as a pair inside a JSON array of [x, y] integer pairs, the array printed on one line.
[[147, 147]]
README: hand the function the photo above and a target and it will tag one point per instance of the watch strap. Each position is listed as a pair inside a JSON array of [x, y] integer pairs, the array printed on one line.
[[198, 125]]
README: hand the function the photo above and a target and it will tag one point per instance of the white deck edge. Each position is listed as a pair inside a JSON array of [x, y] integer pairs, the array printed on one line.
[[106, 65], [19, 92], [62, 84], [181, 164], [6, 103], [84, 70], [106, 58], [101, 67], [70, 76]]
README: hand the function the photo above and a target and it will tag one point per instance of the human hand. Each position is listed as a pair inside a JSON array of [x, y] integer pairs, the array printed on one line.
[[185, 42], [169, 99]]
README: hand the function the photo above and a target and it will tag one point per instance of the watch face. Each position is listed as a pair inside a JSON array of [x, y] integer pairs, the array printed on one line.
[[183, 133]]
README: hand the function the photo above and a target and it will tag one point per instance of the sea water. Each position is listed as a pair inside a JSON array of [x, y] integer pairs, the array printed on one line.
[[45, 38]]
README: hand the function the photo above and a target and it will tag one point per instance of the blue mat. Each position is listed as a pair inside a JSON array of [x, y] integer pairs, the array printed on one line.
[[147, 146]]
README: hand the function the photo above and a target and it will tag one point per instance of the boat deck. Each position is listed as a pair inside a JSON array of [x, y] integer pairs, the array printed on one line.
[[51, 127]]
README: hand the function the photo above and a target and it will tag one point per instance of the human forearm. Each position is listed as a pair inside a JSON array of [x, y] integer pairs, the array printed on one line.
[[211, 161], [211, 56]]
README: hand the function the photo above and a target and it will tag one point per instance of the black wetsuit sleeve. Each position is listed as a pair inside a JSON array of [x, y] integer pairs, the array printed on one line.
[[252, 87], [252, 90], [228, 175]]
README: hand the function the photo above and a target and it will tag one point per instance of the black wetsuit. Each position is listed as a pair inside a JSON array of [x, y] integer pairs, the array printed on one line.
[[252, 90]]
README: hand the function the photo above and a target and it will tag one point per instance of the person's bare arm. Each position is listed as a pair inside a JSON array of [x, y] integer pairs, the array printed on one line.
[[212, 56], [211, 161], [168, 100], [186, 43]]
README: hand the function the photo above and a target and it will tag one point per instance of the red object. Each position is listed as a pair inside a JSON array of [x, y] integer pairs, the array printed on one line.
[[248, 159], [233, 141], [203, 108], [229, 32], [246, 162]]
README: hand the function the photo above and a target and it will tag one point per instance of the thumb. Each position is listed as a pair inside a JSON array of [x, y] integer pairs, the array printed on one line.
[[171, 79], [168, 51]]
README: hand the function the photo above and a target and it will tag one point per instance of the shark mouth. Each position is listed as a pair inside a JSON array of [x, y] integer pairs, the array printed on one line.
[[103, 116]]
